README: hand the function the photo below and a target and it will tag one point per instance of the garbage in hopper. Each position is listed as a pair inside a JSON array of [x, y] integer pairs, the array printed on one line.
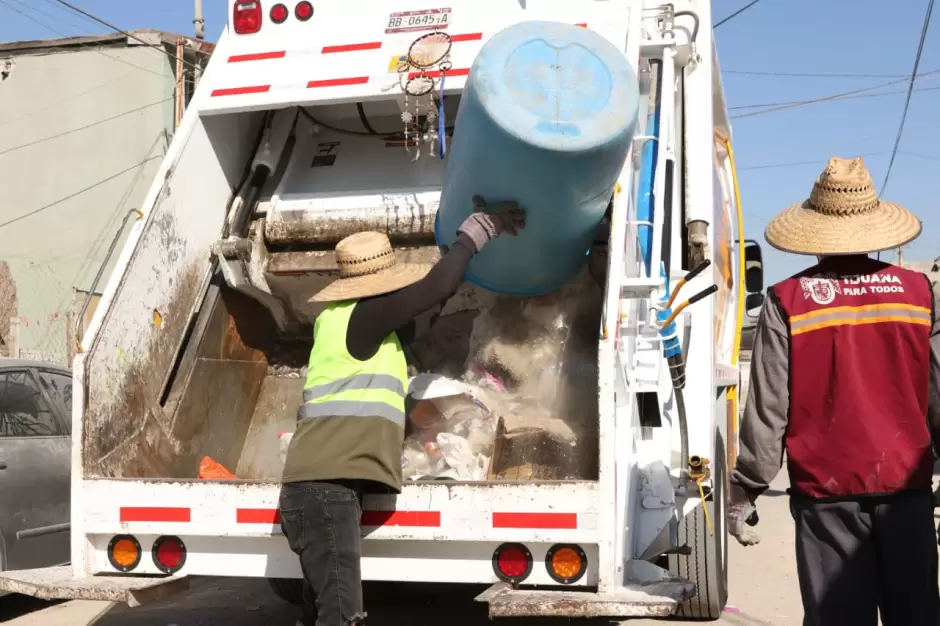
[[523, 406], [210, 469]]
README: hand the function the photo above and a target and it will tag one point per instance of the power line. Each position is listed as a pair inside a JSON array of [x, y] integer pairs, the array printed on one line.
[[54, 18], [157, 47], [819, 161], [90, 47], [835, 96], [75, 194], [812, 74], [797, 163], [864, 95], [75, 130], [910, 90], [93, 250], [736, 13]]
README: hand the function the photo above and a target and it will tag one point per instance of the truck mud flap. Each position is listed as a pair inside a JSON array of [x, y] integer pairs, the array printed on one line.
[[59, 583], [659, 599]]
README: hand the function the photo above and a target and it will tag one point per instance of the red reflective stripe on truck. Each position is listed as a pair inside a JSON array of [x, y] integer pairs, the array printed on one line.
[[466, 37], [154, 514], [352, 47], [555, 521], [257, 516], [369, 518], [338, 82], [431, 519], [257, 56], [437, 73], [240, 91]]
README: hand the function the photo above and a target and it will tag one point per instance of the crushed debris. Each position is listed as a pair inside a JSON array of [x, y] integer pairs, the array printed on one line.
[[525, 407]]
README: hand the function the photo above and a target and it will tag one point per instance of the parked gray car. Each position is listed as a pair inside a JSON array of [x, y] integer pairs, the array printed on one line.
[[35, 463]]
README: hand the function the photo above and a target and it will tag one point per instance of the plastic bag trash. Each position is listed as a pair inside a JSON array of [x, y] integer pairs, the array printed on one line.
[[414, 461], [457, 454], [429, 386], [210, 469]]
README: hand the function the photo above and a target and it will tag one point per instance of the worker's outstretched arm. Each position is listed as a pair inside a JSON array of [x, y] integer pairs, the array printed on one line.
[[376, 318], [767, 408], [933, 400]]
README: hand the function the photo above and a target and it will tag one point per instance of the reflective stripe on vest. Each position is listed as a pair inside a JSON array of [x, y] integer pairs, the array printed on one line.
[[856, 315], [339, 408], [339, 385], [359, 381]]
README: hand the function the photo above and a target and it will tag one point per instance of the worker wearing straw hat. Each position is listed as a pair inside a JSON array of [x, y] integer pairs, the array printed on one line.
[[845, 377], [351, 424]]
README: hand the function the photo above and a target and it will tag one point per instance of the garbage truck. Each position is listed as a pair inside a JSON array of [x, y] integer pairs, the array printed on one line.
[[315, 120]]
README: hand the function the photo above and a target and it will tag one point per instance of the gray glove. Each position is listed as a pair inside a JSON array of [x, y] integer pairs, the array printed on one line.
[[489, 221], [739, 510]]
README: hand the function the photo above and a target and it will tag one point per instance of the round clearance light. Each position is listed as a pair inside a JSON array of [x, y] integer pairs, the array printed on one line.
[[279, 13], [124, 553], [303, 11], [169, 554], [566, 563], [512, 562]]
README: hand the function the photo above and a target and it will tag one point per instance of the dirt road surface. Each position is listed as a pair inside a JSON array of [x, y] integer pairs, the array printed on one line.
[[763, 593]]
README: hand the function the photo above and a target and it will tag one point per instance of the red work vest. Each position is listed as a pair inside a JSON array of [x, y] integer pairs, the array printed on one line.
[[859, 367]]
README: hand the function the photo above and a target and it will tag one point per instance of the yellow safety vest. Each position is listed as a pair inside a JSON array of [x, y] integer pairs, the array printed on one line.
[[339, 385]]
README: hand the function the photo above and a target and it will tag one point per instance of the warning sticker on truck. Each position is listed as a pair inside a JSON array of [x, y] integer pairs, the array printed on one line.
[[413, 21], [325, 155]]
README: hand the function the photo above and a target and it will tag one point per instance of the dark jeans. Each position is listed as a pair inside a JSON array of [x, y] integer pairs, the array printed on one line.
[[321, 523], [856, 557]]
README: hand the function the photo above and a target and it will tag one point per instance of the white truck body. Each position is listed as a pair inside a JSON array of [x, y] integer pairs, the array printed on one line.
[[140, 368]]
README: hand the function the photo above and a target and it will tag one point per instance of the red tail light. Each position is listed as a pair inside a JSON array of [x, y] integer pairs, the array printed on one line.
[[246, 16], [279, 13], [303, 11], [512, 562], [169, 554]]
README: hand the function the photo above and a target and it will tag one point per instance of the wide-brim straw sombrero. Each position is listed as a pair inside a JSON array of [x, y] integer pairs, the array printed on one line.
[[843, 215], [367, 267]]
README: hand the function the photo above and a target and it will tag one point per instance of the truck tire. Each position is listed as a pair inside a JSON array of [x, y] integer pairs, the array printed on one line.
[[288, 589], [707, 565]]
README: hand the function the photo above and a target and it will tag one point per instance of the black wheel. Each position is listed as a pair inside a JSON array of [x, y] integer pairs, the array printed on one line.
[[288, 589], [707, 565]]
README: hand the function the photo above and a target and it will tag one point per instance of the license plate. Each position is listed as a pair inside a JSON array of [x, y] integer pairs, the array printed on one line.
[[411, 21]]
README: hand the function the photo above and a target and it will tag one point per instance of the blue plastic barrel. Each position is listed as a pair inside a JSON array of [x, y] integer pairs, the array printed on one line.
[[546, 119]]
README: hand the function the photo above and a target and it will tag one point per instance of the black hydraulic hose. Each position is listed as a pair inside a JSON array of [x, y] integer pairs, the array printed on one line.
[[683, 440], [364, 119], [258, 178], [677, 372]]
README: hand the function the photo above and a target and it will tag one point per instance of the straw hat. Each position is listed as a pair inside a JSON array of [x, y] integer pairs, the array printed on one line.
[[367, 267], [843, 215]]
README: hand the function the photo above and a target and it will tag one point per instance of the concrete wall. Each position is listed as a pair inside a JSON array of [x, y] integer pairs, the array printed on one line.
[[54, 244]]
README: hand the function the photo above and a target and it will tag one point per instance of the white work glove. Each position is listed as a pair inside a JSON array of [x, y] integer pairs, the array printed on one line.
[[490, 220], [739, 511]]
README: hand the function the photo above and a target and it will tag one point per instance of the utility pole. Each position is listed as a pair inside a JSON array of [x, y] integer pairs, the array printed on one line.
[[199, 21]]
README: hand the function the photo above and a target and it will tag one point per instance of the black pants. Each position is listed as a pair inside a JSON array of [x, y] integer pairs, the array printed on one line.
[[856, 557], [321, 523]]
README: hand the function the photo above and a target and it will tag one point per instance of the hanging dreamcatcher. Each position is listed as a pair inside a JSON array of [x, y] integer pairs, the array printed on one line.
[[421, 75]]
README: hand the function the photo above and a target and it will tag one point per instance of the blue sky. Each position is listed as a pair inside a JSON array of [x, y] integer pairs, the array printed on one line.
[[779, 154]]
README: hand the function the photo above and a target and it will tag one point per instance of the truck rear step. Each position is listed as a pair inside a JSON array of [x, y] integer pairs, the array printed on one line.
[[659, 599], [60, 583]]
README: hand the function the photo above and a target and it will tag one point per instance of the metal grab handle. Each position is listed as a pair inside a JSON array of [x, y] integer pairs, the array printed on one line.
[[94, 284]]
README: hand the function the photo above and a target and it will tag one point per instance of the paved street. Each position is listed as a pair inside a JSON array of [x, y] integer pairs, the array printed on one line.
[[763, 592]]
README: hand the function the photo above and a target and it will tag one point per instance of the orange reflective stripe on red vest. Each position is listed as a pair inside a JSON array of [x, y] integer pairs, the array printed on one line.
[[856, 315]]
